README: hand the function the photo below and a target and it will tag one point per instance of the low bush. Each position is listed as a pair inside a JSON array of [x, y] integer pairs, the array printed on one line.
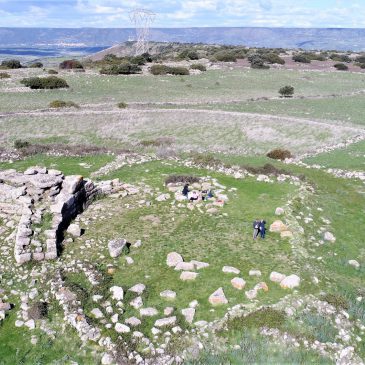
[[4, 75], [11, 64], [164, 70], [198, 66], [188, 54], [71, 65], [50, 82], [274, 58], [337, 300], [360, 59], [19, 144], [36, 65], [63, 104], [286, 91], [267, 169], [122, 105], [315, 56], [340, 57], [202, 159], [341, 67], [183, 179], [52, 72], [279, 154], [301, 58], [225, 56], [124, 68], [257, 62]]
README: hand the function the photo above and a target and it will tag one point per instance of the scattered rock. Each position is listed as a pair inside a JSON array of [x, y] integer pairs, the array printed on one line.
[[148, 312], [238, 283], [74, 230], [189, 314], [173, 258], [163, 322], [133, 321], [354, 263], [278, 226], [116, 247], [118, 292], [168, 294], [122, 328], [218, 297], [188, 275], [290, 282], [97, 313], [254, 272], [138, 288], [279, 211], [186, 266], [230, 270], [277, 277], [328, 236]]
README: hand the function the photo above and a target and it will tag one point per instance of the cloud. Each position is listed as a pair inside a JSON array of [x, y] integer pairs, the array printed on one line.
[[265, 4]]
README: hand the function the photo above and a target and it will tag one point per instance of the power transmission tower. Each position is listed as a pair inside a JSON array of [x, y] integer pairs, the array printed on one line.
[[142, 20]]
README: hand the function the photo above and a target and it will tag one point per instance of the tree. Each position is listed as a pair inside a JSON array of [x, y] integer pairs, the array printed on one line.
[[50, 82], [286, 91]]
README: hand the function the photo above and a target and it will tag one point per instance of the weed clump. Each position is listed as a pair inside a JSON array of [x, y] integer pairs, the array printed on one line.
[[341, 67], [198, 66], [4, 75], [19, 144], [122, 105], [11, 64], [286, 91], [183, 179], [71, 65], [337, 300], [50, 82], [63, 104], [279, 154]]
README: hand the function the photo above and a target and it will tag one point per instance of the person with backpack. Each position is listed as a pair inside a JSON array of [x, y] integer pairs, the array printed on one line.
[[262, 228]]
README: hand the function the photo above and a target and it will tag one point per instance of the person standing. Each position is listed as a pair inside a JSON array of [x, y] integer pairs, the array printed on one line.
[[185, 190], [256, 227], [262, 228]]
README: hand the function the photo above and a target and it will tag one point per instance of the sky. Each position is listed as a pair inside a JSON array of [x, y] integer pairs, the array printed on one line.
[[184, 13]]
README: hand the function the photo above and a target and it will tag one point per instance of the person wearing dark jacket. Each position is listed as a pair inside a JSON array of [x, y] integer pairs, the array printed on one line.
[[185, 191], [262, 228]]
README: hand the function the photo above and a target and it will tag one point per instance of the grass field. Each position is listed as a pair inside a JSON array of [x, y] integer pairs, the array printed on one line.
[[233, 133]]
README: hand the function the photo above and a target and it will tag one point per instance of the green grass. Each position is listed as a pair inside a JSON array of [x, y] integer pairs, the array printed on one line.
[[350, 158], [239, 84], [68, 165]]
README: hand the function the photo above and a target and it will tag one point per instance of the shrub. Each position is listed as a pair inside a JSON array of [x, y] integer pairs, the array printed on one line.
[[314, 56], [279, 154], [36, 65], [337, 300], [12, 64], [201, 159], [4, 75], [138, 60], [124, 68], [340, 57], [267, 169], [19, 144], [360, 59], [257, 62], [183, 179], [63, 104], [52, 72], [50, 82], [122, 105], [286, 91], [301, 58], [71, 65], [273, 58], [361, 65], [225, 56], [198, 66], [164, 70], [178, 71], [341, 67]]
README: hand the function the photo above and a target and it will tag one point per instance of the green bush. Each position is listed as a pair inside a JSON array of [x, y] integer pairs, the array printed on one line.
[[124, 68], [63, 104], [188, 54], [198, 66], [341, 67], [301, 58], [337, 300], [279, 154], [360, 59], [4, 75], [36, 65], [315, 56], [257, 62], [225, 56], [12, 64], [19, 144], [286, 91], [52, 72], [50, 82], [340, 57], [274, 58], [164, 70], [71, 65], [122, 105]]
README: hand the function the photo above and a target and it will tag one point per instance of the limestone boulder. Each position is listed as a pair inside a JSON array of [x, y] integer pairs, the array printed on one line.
[[173, 258], [328, 236], [117, 292], [72, 183], [189, 314], [148, 312], [188, 275], [164, 322], [115, 247], [185, 266], [278, 226], [276, 277], [354, 263], [74, 230], [138, 288], [230, 270], [168, 294], [279, 211], [290, 282], [122, 328], [238, 283], [218, 297]]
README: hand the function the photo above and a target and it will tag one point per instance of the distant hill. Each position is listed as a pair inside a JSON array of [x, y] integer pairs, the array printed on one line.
[[306, 38]]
